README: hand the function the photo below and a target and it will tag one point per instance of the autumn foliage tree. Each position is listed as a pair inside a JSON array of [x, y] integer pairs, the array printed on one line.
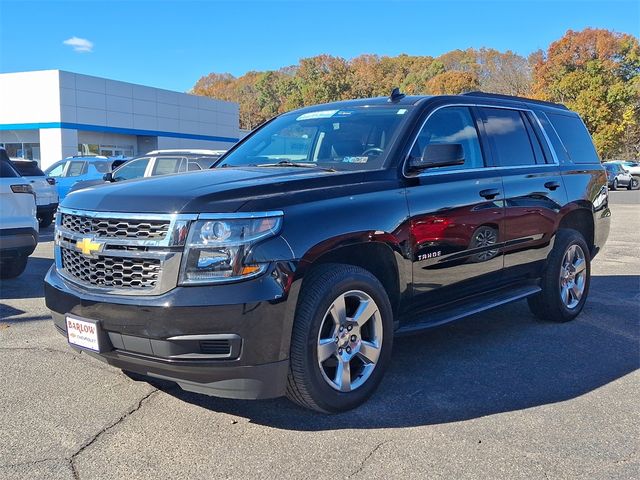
[[594, 72]]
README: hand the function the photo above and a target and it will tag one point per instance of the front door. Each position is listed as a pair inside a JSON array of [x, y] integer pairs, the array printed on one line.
[[456, 213]]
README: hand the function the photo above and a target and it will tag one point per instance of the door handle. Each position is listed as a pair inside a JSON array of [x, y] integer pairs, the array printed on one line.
[[490, 193], [551, 185]]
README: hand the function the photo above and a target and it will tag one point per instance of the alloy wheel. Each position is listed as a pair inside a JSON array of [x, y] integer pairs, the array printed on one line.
[[350, 341], [573, 276]]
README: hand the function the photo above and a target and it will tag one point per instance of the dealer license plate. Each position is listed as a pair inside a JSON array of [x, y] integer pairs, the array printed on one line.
[[83, 333]]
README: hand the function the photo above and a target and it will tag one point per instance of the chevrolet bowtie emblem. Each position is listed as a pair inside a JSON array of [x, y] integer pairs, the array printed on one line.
[[88, 246]]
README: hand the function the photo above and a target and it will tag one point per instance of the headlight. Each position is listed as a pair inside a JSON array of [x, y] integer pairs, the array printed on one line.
[[216, 247]]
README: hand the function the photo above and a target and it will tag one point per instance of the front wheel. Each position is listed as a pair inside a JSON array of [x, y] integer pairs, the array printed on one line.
[[631, 184], [341, 341], [565, 281], [614, 186]]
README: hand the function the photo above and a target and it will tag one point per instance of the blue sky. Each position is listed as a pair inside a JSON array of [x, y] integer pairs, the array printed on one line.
[[170, 44]]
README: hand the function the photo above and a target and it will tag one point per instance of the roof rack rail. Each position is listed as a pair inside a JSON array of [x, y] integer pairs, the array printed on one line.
[[513, 97]]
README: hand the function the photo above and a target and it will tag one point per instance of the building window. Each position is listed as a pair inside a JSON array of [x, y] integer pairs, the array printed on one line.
[[106, 150], [30, 151]]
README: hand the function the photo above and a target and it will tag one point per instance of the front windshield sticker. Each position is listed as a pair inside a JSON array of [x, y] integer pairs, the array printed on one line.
[[320, 114], [355, 159]]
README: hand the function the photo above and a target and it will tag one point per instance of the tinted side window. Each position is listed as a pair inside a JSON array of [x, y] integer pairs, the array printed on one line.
[[102, 167], [575, 137], [7, 170], [508, 137], [76, 169], [451, 125], [193, 166]]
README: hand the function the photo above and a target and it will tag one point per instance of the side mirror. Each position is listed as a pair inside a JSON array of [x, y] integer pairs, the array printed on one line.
[[108, 177], [438, 155]]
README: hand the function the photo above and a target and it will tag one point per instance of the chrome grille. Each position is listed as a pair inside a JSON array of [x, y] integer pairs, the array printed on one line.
[[115, 227], [120, 253], [112, 271]]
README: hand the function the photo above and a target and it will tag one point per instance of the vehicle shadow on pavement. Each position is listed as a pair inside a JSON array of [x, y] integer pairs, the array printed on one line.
[[500, 361], [28, 285]]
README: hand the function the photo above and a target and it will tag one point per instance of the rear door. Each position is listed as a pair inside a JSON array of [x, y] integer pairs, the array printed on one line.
[[456, 213], [533, 187]]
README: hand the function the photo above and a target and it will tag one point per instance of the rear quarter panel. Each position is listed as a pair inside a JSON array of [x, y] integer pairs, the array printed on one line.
[[586, 186]]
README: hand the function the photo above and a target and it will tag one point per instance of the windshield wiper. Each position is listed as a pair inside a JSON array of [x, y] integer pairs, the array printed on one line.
[[288, 163]]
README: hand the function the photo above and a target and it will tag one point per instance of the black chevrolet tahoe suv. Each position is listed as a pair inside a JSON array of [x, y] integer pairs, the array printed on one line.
[[290, 267]]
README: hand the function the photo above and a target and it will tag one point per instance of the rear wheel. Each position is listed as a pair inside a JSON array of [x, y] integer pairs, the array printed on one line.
[[614, 186], [341, 340], [565, 282], [12, 267], [630, 186]]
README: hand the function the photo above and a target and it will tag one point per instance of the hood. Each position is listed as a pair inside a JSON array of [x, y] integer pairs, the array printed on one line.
[[217, 190]]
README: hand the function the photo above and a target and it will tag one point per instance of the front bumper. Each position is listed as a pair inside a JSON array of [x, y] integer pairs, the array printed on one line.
[[160, 336]]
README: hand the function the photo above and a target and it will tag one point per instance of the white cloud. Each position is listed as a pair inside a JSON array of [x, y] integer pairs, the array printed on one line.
[[79, 44]]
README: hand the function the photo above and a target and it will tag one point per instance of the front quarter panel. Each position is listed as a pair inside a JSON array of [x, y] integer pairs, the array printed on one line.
[[313, 229]]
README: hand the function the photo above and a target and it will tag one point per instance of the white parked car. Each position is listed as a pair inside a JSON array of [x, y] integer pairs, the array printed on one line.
[[631, 165], [18, 222], [158, 162], [43, 186], [165, 162]]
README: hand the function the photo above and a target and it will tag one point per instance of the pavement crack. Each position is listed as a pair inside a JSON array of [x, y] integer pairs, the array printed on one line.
[[95, 438], [31, 462], [366, 459]]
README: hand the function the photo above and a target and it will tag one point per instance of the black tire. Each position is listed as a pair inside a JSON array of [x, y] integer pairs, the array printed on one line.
[[306, 385], [13, 267], [45, 220], [548, 304], [630, 186], [614, 185]]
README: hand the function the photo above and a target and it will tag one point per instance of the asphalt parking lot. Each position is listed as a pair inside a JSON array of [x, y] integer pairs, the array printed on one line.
[[498, 395]]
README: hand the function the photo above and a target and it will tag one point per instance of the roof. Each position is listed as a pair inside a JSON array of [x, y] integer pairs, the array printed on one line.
[[366, 102], [186, 151], [20, 159]]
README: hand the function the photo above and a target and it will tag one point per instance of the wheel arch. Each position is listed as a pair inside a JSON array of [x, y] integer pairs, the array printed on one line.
[[580, 218], [382, 259]]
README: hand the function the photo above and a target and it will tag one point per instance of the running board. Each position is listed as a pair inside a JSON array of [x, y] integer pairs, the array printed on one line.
[[464, 308]]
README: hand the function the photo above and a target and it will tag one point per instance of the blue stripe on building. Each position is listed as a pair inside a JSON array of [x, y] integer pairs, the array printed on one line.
[[105, 129]]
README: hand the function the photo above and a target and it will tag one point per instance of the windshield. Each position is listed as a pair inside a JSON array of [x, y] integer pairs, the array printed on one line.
[[56, 169], [348, 139]]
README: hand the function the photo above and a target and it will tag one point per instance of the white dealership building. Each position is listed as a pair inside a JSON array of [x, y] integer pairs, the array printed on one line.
[[52, 114]]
